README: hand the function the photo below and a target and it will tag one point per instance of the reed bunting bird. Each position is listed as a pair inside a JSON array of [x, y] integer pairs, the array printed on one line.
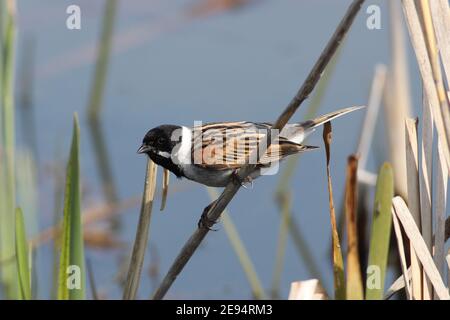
[[212, 153]]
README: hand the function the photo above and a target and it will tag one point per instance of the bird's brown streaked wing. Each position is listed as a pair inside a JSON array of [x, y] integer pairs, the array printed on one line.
[[278, 152], [223, 146]]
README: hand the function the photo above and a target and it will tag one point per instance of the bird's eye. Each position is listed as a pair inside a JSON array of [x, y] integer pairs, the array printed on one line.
[[161, 140]]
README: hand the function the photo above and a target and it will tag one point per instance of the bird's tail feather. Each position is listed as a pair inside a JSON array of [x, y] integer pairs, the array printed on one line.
[[298, 132], [310, 124]]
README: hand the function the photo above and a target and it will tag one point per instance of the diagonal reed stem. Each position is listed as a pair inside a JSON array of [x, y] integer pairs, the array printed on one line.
[[216, 208]]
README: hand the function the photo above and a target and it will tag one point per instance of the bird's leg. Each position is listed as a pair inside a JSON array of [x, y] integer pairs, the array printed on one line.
[[243, 182], [204, 221]]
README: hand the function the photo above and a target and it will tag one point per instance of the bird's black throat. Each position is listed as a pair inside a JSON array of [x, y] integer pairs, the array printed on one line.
[[166, 163]]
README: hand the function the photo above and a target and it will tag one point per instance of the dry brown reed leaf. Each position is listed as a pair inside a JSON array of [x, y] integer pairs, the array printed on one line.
[[165, 189], [354, 287], [338, 262]]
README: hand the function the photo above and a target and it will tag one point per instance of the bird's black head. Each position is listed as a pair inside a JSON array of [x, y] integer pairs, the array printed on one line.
[[159, 143]]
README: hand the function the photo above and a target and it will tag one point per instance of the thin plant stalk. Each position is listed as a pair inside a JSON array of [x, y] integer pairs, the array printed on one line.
[[23, 266], [96, 97], [7, 160], [425, 184], [92, 285], [281, 244], [412, 169], [165, 189], [354, 286], [241, 251], [338, 261], [397, 98], [440, 210], [140, 242], [102, 160]]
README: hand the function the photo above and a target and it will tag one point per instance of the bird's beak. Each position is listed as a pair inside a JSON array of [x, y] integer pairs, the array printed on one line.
[[143, 149]]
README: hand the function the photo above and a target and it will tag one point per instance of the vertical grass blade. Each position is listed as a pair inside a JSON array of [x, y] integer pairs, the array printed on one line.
[[285, 204], [91, 278], [354, 278], [140, 242], [72, 276], [58, 207], [23, 269], [381, 231], [103, 163], [2, 29], [96, 97], [27, 191], [338, 262], [7, 161]]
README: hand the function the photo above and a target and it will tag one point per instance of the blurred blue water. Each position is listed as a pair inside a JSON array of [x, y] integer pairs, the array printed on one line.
[[242, 65]]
